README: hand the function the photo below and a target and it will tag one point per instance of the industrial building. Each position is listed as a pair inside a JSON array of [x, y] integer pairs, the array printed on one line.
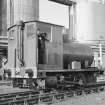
[[50, 62], [87, 21]]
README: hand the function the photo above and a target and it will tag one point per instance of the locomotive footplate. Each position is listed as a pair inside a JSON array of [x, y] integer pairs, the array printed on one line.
[[97, 84]]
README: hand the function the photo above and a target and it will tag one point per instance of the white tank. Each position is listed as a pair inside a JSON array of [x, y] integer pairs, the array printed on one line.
[[90, 21], [26, 10]]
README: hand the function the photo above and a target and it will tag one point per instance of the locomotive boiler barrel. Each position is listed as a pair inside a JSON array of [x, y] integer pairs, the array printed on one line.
[[77, 52]]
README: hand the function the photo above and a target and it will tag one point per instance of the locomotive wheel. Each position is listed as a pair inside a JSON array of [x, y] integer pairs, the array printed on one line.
[[51, 82], [80, 78]]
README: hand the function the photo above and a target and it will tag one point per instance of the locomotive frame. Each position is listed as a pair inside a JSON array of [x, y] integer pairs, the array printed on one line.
[[37, 55]]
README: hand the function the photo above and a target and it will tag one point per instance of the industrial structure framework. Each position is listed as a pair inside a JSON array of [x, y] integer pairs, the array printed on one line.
[[12, 11], [53, 65]]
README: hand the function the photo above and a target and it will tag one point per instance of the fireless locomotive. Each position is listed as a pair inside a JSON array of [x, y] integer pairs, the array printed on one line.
[[40, 56]]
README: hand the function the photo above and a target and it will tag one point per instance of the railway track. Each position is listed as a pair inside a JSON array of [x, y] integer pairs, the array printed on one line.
[[35, 98]]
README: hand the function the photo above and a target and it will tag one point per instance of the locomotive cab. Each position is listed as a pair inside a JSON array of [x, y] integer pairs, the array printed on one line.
[[33, 48]]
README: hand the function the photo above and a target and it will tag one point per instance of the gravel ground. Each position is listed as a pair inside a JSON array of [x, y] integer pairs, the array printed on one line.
[[90, 99]]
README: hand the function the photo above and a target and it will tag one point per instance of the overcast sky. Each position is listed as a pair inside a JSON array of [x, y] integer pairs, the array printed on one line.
[[53, 12]]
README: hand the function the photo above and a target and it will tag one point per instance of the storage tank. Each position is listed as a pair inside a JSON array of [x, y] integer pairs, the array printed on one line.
[[90, 21], [26, 10], [77, 52], [3, 17]]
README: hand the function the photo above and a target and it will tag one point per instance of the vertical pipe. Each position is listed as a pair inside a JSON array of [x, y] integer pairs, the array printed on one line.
[[69, 8], [15, 59], [18, 42], [11, 12], [74, 21], [73, 7], [100, 51], [22, 45], [1, 17], [37, 32], [51, 34]]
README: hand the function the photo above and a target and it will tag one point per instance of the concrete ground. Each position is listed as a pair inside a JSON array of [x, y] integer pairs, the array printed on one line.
[[9, 89], [90, 99]]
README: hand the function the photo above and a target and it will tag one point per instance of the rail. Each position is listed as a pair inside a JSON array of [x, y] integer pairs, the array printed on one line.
[[34, 98]]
